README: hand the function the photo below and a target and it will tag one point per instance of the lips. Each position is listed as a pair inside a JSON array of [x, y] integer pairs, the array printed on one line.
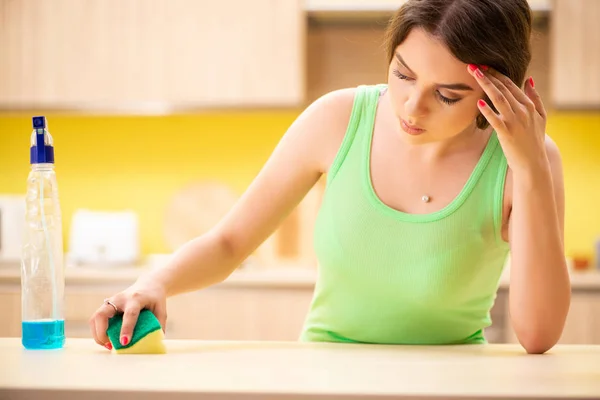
[[410, 129]]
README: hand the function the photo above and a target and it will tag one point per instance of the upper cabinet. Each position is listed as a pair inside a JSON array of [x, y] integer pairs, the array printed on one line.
[[385, 5], [575, 54], [155, 55]]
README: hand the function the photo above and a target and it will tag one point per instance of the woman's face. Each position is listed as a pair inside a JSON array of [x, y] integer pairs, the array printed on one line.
[[430, 89]]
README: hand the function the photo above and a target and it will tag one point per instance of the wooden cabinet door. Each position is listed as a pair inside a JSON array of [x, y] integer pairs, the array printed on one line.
[[583, 322], [239, 313], [151, 55], [575, 54], [10, 311]]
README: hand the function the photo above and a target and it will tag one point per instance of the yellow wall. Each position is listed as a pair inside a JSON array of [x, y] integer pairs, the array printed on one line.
[[120, 162], [578, 138], [114, 163]]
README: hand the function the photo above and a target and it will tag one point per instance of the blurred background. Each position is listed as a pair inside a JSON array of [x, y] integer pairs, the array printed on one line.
[[163, 112]]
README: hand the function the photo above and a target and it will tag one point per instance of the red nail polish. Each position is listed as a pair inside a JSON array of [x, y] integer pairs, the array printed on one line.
[[481, 103], [531, 82], [108, 346], [473, 67], [484, 67], [124, 340]]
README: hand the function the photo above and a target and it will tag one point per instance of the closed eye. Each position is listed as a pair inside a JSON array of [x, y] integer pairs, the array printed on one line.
[[442, 98], [401, 76]]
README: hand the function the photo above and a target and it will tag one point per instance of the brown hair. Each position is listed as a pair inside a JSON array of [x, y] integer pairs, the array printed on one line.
[[495, 33]]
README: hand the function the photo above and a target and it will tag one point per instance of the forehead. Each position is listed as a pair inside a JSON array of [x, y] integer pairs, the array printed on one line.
[[430, 58]]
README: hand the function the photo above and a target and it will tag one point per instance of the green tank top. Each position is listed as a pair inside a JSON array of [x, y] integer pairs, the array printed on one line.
[[391, 277]]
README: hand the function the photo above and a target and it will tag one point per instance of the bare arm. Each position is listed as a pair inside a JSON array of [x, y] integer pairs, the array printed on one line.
[[539, 281], [540, 291], [294, 167], [301, 157]]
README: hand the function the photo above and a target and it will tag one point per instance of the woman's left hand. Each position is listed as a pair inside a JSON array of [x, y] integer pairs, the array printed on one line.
[[520, 122]]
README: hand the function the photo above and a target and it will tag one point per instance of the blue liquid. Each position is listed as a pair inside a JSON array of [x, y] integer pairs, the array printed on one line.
[[43, 335]]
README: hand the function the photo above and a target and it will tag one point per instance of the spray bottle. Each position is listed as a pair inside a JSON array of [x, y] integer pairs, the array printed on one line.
[[42, 272]]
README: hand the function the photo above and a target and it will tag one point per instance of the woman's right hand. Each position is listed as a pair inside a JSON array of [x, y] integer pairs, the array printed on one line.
[[144, 294]]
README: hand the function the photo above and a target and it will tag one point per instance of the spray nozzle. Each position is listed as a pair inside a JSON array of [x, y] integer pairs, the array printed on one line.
[[39, 122], [42, 150]]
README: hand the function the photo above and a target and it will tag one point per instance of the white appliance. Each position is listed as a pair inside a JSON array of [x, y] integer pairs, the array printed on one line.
[[12, 226], [103, 238]]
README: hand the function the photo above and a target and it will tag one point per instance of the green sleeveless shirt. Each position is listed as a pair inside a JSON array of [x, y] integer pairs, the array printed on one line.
[[391, 277]]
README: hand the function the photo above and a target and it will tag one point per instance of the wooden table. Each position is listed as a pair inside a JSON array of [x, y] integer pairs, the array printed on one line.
[[293, 370]]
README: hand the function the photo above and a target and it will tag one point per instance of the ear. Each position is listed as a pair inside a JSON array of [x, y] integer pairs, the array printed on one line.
[[481, 122]]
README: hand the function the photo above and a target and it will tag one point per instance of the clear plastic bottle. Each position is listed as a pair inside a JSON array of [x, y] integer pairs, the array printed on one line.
[[42, 270]]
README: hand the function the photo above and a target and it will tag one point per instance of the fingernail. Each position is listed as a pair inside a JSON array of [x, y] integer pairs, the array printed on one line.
[[481, 103], [473, 67], [108, 346], [531, 82], [124, 340], [484, 67]]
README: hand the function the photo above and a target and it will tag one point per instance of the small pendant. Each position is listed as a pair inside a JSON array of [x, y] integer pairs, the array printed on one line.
[[425, 199]]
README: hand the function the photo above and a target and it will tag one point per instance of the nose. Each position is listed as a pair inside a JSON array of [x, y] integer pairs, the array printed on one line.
[[415, 106]]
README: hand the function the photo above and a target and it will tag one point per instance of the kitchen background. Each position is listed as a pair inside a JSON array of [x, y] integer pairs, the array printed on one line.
[[163, 112]]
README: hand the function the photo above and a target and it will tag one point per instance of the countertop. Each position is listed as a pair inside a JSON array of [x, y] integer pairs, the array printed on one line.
[[284, 275], [295, 370]]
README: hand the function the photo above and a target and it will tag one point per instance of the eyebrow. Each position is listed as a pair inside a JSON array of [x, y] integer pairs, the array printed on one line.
[[452, 86]]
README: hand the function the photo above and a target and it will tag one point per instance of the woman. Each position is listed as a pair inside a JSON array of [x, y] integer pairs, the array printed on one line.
[[432, 179]]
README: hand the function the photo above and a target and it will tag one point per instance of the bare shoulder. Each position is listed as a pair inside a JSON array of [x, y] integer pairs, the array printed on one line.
[[556, 169], [553, 153], [329, 116]]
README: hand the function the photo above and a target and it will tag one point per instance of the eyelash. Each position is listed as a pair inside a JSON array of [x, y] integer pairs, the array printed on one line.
[[442, 98]]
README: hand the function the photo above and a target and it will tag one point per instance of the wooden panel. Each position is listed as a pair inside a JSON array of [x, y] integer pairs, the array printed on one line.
[[346, 55], [220, 313], [10, 311], [583, 322], [79, 307], [575, 54], [595, 319], [366, 5], [341, 56], [578, 328], [151, 54], [238, 314]]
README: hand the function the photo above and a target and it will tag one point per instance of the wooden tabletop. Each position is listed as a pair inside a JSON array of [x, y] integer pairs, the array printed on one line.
[[294, 370]]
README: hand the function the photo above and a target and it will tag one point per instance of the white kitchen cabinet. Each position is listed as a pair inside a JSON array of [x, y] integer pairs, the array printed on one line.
[[151, 55]]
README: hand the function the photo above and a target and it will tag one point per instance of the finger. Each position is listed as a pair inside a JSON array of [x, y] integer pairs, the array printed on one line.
[[105, 313], [513, 98], [493, 118], [160, 312], [94, 330], [535, 97], [92, 323], [130, 317], [495, 95], [516, 91]]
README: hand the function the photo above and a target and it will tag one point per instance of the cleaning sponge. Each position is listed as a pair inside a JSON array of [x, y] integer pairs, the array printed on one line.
[[147, 335]]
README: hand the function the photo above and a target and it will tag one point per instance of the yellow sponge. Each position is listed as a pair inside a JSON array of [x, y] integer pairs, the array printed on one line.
[[147, 335]]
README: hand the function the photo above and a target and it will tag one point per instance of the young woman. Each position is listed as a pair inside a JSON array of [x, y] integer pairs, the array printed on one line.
[[432, 179]]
